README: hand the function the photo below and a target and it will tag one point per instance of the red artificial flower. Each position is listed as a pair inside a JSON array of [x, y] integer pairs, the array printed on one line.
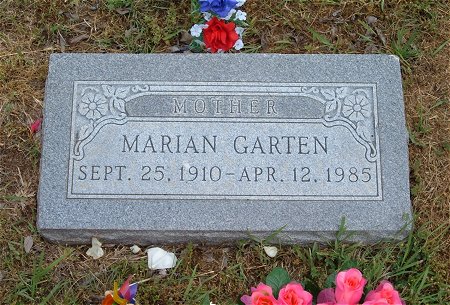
[[108, 300], [220, 35]]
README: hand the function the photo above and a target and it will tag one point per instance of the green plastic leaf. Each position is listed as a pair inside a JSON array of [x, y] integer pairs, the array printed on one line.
[[329, 283], [311, 286], [277, 279]]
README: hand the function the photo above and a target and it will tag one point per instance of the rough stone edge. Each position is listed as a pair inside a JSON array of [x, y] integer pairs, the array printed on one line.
[[148, 237]]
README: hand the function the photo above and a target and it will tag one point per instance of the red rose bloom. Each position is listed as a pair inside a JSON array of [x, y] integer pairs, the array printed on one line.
[[220, 35]]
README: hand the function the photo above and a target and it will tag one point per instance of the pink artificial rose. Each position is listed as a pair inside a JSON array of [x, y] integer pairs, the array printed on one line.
[[326, 297], [387, 292], [349, 286], [294, 294], [376, 302], [261, 295]]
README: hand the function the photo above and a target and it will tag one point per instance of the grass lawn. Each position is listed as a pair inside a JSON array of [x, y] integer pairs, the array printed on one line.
[[418, 31]]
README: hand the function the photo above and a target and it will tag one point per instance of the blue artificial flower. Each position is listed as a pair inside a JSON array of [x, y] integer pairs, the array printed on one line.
[[219, 7]]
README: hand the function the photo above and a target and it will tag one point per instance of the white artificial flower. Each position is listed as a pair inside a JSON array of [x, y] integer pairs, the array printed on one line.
[[207, 16], [160, 259], [230, 14], [239, 44], [196, 30], [240, 3], [239, 30], [240, 15]]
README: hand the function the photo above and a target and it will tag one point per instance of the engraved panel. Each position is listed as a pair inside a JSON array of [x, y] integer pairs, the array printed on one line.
[[260, 141]]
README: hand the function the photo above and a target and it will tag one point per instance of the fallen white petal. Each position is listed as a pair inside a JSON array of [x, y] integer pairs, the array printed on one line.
[[135, 249], [96, 250], [271, 251], [160, 259]]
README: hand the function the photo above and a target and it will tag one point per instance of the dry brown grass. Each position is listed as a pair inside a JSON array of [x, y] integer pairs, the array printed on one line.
[[31, 30]]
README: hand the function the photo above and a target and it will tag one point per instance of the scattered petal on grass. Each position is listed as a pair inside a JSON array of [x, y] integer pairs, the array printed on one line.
[[36, 126], [28, 244], [96, 250], [160, 259], [135, 249], [271, 251]]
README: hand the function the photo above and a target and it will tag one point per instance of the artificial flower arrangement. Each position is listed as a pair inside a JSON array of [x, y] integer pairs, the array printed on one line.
[[123, 296], [280, 290], [221, 27]]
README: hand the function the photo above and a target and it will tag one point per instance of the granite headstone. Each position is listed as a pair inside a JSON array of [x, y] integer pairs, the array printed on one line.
[[209, 148]]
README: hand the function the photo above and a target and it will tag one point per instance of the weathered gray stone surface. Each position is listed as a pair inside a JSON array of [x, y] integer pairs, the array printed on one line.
[[208, 148]]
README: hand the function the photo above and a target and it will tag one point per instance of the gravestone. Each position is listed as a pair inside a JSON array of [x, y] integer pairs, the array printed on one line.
[[211, 148]]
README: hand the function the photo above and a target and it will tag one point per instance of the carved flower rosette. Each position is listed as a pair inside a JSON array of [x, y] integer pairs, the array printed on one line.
[[99, 106], [352, 108]]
